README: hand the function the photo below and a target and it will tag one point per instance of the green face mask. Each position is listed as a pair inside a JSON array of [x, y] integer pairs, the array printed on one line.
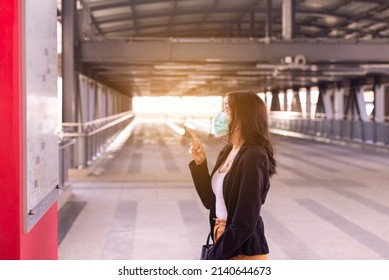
[[221, 123]]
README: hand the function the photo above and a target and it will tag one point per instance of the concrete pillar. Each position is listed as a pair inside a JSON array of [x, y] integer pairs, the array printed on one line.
[[296, 103], [285, 101], [96, 104], [339, 103], [327, 103], [308, 104], [268, 99], [303, 98], [361, 105], [275, 102], [379, 103], [351, 106], [69, 97], [83, 101], [84, 98], [387, 102], [129, 106], [380, 131], [92, 100], [111, 108], [116, 103]]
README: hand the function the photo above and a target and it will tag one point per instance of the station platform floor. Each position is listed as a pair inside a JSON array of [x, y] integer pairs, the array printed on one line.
[[327, 202]]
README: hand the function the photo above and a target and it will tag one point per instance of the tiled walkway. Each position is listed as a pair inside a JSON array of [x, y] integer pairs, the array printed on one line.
[[327, 202]]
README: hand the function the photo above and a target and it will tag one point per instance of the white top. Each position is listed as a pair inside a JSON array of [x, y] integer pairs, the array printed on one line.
[[217, 187]]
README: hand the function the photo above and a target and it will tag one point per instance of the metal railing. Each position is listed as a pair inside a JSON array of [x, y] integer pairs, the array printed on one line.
[[351, 130], [66, 150], [93, 137]]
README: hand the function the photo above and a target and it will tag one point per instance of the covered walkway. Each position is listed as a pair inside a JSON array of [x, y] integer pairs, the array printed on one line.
[[327, 202], [76, 152]]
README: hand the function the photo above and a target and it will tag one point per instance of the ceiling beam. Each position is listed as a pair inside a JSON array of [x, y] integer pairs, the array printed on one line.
[[191, 50], [128, 27], [204, 11], [207, 13], [104, 5], [367, 15]]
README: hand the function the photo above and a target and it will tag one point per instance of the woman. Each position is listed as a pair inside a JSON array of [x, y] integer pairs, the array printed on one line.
[[239, 182]]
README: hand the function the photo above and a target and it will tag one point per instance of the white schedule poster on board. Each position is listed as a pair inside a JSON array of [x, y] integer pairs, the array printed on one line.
[[41, 109]]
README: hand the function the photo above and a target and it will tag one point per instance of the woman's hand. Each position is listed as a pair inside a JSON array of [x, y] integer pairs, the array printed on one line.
[[196, 148]]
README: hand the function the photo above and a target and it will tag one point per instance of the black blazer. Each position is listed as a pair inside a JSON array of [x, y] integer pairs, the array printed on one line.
[[245, 188]]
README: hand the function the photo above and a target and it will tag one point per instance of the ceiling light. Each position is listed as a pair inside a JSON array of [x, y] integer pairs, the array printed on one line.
[[177, 66], [267, 66], [375, 66], [345, 73], [288, 59], [170, 73], [214, 60], [204, 77], [195, 82], [254, 72], [240, 78]]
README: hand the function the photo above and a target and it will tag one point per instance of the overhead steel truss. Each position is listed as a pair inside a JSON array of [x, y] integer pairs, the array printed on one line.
[[143, 46], [226, 50]]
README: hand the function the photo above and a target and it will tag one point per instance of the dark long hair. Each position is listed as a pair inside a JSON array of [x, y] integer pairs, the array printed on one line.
[[251, 111]]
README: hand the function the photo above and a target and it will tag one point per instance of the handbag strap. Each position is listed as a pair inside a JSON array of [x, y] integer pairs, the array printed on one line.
[[208, 238]]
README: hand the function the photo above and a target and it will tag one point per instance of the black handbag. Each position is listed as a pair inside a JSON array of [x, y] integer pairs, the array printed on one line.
[[206, 248]]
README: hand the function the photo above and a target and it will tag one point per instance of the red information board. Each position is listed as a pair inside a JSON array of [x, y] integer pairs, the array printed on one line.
[[40, 149], [15, 243]]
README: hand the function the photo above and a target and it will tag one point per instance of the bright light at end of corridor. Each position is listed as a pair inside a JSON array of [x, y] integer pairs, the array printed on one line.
[[177, 106]]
